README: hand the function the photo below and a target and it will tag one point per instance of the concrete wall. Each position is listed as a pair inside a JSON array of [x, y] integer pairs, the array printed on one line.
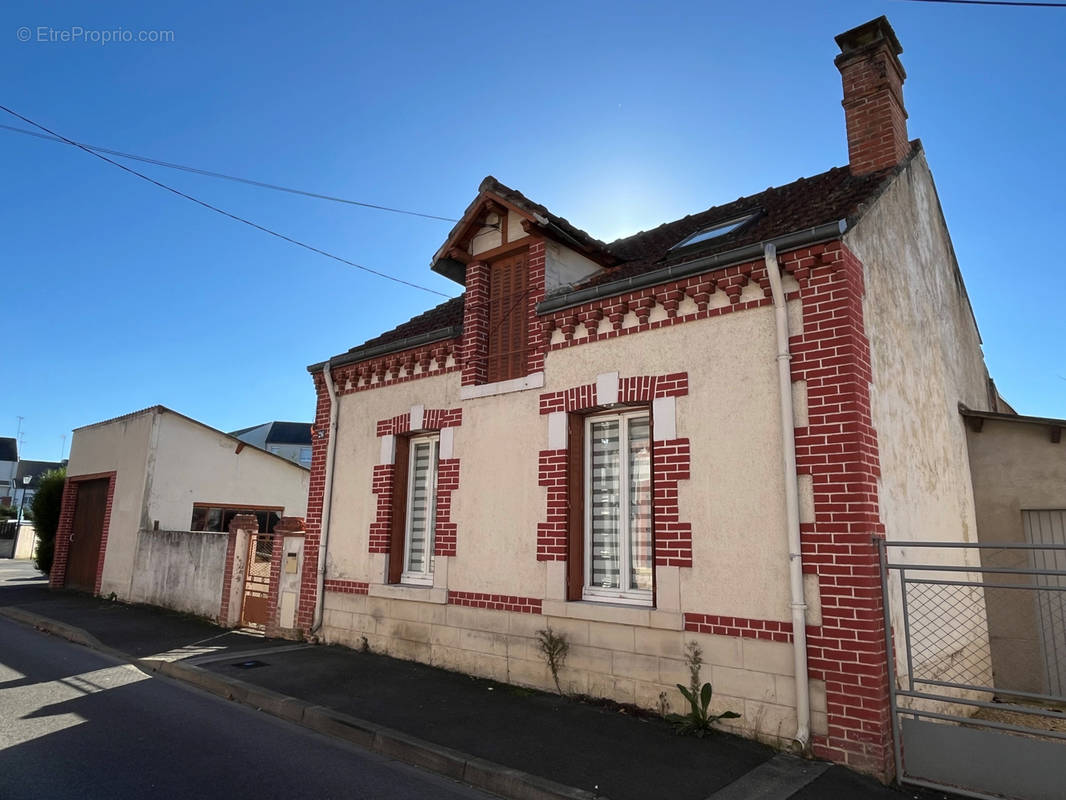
[[734, 501], [182, 570], [1015, 468], [926, 358]]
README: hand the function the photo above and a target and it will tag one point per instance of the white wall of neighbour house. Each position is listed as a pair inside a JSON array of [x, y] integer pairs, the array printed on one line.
[[926, 358], [121, 446], [734, 500], [195, 464]]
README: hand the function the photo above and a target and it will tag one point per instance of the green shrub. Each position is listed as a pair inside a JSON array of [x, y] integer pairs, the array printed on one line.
[[46, 505], [8, 512]]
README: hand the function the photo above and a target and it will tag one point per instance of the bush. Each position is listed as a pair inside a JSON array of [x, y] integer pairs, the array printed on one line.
[[8, 512], [46, 505]]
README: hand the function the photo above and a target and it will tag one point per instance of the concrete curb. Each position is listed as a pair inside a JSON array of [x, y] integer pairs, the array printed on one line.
[[60, 629], [477, 772]]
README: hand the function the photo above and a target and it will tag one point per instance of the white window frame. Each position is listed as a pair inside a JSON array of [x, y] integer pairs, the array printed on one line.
[[643, 597], [407, 576]]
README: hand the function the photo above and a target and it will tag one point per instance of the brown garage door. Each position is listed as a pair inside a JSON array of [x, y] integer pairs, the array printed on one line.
[[84, 554]]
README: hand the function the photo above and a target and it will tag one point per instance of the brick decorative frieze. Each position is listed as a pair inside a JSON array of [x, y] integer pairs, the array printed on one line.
[[498, 602], [436, 358], [346, 587], [736, 288]]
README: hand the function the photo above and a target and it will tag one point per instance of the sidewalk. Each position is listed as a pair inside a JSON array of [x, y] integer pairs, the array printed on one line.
[[516, 741]]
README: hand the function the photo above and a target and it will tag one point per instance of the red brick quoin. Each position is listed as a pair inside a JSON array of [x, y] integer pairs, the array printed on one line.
[[670, 464], [838, 448], [383, 483]]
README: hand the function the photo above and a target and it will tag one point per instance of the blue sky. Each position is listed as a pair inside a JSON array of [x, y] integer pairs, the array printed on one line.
[[617, 116]]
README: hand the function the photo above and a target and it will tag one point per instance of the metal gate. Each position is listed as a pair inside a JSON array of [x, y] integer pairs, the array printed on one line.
[[255, 611], [977, 707]]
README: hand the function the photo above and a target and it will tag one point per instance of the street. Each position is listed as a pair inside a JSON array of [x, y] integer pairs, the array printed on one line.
[[75, 723]]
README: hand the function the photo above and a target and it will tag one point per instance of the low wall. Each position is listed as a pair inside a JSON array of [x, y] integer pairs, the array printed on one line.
[[626, 663], [182, 570]]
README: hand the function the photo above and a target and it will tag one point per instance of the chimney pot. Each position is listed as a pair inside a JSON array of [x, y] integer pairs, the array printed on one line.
[[874, 113]]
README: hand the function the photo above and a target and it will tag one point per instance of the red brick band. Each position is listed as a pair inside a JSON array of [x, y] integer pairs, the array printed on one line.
[[346, 587], [58, 575], [498, 602]]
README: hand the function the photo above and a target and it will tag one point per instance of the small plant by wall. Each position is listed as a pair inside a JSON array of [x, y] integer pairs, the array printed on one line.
[[698, 721], [554, 647]]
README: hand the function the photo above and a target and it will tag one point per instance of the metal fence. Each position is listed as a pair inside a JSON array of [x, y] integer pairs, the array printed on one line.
[[980, 644]]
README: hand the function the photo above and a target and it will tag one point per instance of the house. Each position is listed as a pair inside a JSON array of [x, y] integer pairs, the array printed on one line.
[[9, 457], [291, 440], [151, 508], [697, 433], [24, 491]]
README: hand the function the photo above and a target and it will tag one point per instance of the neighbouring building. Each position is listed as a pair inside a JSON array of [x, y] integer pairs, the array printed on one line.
[[695, 433], [24, 491], [150, 507], [291, 440], [9, 456]]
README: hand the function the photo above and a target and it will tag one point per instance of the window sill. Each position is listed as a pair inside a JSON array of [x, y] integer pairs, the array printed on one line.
[[623, 614], [406, 591], [532, 381]]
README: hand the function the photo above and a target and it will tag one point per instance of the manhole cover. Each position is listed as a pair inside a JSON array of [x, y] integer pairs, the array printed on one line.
[[250, 664]]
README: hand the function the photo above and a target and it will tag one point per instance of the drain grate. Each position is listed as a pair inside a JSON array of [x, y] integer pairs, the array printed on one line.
[[250, 664]]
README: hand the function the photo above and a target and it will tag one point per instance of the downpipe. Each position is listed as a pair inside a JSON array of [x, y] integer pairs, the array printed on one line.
[[798, 602], [327, 498]]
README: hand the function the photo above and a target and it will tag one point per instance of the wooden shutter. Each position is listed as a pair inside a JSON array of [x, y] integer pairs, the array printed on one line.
[[575, 520], [399, 509], [508, 323]]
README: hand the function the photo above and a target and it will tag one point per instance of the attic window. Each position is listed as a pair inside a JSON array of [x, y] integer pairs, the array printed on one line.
[[714, 231]]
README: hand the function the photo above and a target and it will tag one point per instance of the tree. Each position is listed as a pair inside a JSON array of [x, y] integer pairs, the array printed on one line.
[[46, 505]]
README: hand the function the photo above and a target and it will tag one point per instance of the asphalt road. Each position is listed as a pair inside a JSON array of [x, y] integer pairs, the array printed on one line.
[[78, 724]]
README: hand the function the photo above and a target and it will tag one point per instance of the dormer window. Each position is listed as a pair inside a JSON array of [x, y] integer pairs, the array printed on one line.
[[714, 231]]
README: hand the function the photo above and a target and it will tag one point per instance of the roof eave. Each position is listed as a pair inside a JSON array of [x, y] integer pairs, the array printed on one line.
[[367, 353]]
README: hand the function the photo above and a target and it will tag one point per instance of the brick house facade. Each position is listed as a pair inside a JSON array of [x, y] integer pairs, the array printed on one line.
[[589, 438]]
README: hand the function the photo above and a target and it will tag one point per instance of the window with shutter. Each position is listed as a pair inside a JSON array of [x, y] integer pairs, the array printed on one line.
[[414, 510], [508, 323], [611, 548]]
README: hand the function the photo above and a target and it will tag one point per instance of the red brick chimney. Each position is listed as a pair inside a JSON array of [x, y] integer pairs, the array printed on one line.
[[873, 96]]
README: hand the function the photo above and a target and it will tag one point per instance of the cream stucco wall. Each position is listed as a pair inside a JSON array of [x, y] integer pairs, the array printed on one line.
[[734, 501], [192, 463], [926, 358], [121, 446]]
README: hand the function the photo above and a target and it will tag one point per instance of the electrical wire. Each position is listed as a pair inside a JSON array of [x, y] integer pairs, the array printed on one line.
[[224, 176], [224, 213], [1018, 3]]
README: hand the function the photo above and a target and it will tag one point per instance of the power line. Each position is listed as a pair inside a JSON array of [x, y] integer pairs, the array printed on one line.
[[218, 210], [210, 174], [1017, 3]]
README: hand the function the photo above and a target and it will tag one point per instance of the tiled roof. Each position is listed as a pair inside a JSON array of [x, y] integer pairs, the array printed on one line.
[[35, 469], [805, 203], [447, 314]]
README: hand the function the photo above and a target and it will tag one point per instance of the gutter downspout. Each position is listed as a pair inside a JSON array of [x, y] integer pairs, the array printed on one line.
[[327, 496], [788, 463]]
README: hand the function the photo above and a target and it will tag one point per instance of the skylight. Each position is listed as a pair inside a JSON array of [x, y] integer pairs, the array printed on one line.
[[713, 232]]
